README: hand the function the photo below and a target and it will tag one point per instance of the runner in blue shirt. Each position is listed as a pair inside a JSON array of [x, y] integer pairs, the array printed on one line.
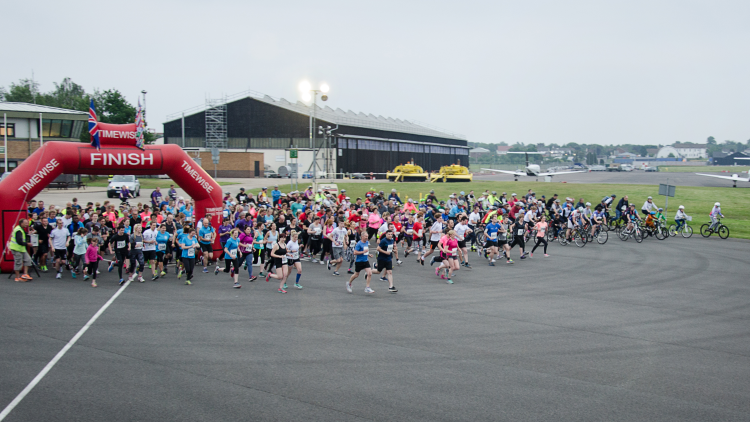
[[492, 232], [361, 262], [162, 238], [206, 236], [231, 257]]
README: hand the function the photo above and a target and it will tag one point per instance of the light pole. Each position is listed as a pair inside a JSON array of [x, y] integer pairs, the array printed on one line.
[[308, 93]]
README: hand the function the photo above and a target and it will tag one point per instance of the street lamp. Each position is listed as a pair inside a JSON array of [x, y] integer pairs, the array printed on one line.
[[308, 93]]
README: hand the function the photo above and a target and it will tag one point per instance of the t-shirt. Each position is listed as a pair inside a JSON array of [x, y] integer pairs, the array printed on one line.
[[206, 235], [417, 228], [436, 231], [492, 230], [541, 228], [149, 235], [43, 232], [120, 241], [292, 250], [59, 238], [452, 246], [386, 245], [362, 246], [161, 241], [232, 245], [461, 231], [339, 237], [188, 251]]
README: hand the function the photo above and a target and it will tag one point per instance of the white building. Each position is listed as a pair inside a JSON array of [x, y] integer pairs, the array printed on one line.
[[679, 150]]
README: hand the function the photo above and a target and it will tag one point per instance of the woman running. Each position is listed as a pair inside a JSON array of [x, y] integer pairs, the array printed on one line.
[[449, 252], [246, 247], [188, 245], [231, 257], [162, 239], [541, 231], [292, 253], [280, 261]]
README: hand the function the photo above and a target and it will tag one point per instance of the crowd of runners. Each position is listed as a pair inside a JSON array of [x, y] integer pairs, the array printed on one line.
[[275, 232]]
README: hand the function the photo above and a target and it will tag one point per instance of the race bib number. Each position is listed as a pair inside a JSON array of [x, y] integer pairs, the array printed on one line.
[[455, 252], [390, 248], [317, 231], [410, 231], [284, 260], [233, 253], [520, 232], [120, 244], [191, 253], [366, 249], [207, 237], [493, 236], [162, 246], [35, 238], [352, 244], [295, 255], [139, 245]]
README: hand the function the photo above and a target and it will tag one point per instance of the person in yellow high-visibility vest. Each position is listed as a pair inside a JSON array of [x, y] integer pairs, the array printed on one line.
[[19, 240]]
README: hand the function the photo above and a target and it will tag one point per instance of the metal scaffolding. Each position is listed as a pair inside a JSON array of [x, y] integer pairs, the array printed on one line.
[[216, 123]]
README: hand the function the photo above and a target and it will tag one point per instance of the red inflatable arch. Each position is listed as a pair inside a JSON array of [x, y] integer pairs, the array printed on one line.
[[55, 158]]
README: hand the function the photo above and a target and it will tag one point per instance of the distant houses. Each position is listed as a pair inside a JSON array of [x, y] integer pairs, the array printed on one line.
[[680, 150]]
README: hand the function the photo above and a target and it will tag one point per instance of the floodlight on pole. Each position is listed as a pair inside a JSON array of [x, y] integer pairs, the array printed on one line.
[[305, 86], [324, 88]]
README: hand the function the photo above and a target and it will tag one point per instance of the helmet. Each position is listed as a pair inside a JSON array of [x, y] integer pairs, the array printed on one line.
[[624, 207], [461, 202], [588, 204], [513, 194], [393, 190], [653, 213], [717, 204], [681, 207], [580, 209], [432, 191], [463, 193], [649, 198], [343, 190], [614, 196], [494, 192], [661, 209]]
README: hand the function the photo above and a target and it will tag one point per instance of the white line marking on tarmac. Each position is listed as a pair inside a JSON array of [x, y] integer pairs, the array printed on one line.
[[59, 355]]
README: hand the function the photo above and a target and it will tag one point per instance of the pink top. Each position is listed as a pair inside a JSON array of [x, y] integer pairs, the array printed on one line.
[[374, 221], [92, 254], [247, 240], [541, 228]]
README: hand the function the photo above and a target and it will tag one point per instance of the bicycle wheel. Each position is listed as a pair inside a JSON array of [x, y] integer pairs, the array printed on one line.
[[561, 238], [673, 230], [705, 232], [550, 236], [660, 233], [638, 235], [723, 231], [602, 237], [580, 240], [622, 233], [687, 231]]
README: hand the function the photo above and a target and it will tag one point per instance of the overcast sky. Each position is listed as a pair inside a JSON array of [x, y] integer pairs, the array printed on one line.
[[643, 72]]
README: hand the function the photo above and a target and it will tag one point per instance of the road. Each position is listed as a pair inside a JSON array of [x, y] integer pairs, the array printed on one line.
[[656, 331]]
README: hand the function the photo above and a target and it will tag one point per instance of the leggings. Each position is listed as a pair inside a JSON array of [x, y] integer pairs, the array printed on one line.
[[247, 258], [327, 248], [92, 267], [136, 255], [314, 246], [233, 262], [120, 261], [77, 259], [259, 255], [189, 264], [540, 240]]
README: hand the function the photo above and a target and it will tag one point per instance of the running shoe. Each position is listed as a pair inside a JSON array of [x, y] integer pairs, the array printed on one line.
[[298, 286], [179, 274], [449, 281], [155, 277], [20, 280], [163, 274], [336, 273], [267, 276], [546, 255], [510, 261], [216, 271], [383, 278], [140, 279], [188, 283], [253, 278], [122, 281], [205, 270], [348, 287], [406, 254], [324, 262], [437, 271], [111, 265], [370, 291], [432, 261], [442, 276], [421, 261], [281, 291], [531, 255], [231, 272], [392, 289], [73, 274], [98, 272], [93, 284], [85, 277], [58, 275], [237, 285], [399, 262], [523, 256], [261, 274], [492, 264], [26, 277], [45, 269], [328, 264], [284, 286], [350, 271]]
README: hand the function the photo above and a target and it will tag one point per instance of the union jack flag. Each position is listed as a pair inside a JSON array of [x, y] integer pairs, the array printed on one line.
[[139, 125], [93, 126]]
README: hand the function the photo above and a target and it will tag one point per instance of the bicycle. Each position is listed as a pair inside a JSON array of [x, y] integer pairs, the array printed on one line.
[[600, 234], [721, 230], [580, 237], [635, 233], [685, 230]]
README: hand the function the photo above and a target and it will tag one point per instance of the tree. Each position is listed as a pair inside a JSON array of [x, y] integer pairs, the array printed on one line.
[[25, 91], [643, 151], [112, 107], [67, 94], [670, 155], [711, 140]]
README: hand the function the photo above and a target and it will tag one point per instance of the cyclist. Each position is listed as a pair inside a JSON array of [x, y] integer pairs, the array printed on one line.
[[680, 217], [715, 215], [632, 217], [574, 220], [648, 206], [660, 217], [597, 218], [650, 218]]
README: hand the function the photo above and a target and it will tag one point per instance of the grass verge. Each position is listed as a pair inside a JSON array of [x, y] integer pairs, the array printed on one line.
[[101, 182], [703, 169]]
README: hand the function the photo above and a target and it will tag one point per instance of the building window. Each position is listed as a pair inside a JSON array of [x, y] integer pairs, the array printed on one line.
[[342, 143], [61, 128], [67, 125], [352, 144], [11, 131]]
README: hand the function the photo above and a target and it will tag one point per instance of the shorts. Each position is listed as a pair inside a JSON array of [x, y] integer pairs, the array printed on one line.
[[293, 261], [337, 252], [384, 265], [61, 253], [159, 256], [571, 225], [207, 248], [462, 244], [149, 255], [433, 244], [359, 266], [490, 244], [501, 243], [20, 259], [42, 249]]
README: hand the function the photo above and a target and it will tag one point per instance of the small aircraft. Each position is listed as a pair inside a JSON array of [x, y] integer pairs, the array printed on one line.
[[532, 170], [734, 178]]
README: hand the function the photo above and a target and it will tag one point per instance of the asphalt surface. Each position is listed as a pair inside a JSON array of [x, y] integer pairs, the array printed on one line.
[[631, 177], [656, 331]]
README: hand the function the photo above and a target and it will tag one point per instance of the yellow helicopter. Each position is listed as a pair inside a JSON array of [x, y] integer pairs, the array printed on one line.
[[452, 173], [408, 172]]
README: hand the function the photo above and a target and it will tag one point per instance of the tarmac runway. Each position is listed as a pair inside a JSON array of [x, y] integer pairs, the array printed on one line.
[[656, 331]]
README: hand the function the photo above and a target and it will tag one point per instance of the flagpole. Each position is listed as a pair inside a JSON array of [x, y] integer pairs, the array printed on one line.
[[5, 135], [41, 139]]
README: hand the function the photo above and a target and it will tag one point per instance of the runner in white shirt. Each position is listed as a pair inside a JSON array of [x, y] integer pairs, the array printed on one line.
[[436, 232], [149, 247], [462, 230], [292, 253], [338, 237]]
